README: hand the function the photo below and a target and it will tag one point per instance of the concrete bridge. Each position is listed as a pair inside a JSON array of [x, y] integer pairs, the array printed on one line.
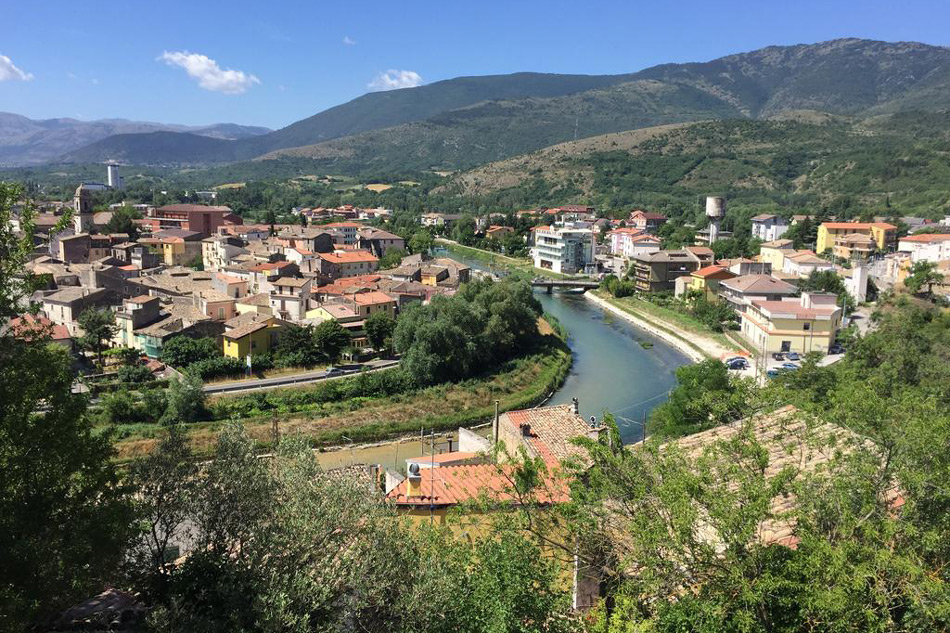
[[566, 284]]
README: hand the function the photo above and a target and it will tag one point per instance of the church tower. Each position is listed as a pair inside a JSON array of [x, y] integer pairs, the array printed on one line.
[[82, 210]]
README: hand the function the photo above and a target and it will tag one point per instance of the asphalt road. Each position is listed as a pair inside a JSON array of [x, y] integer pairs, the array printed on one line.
[[257, 384]]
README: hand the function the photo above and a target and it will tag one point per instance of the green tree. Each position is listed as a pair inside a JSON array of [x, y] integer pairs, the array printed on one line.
[[185, 400], [123, 221], [923, 275], [392, 258], [296, 347], [182, 351], [65, 520], [705, 395], [421, 241], [379, 329], [330, 338], [98, 328], [464, 230]]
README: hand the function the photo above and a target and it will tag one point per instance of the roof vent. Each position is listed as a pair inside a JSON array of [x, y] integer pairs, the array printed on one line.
[[414, 472], [526, 429]]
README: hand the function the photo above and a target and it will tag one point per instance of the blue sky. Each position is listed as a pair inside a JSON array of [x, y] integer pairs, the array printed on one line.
[[168, 61]]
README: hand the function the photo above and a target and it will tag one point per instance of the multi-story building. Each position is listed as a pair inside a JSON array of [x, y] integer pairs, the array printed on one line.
[[883, 236], [379, 242], [646, 221], [630, 242], [775, 251], [218, 251], [927, 247], [658, 271], [347, 264], [740, 291], [804, 263], [349, 230], [802, 324], [769, 227], [563, 249], [290, 298], [192, 217]]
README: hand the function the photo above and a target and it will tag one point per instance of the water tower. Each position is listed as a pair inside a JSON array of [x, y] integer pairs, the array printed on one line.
[[715, 210]]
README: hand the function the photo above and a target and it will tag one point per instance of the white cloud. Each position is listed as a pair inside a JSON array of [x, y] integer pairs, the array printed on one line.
[[210, 76], [394, 79], [9, 72], [94, 81], [348, 41]]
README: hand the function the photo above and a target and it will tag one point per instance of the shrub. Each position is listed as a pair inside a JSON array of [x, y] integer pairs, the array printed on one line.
[[217, 367], [135, 374]]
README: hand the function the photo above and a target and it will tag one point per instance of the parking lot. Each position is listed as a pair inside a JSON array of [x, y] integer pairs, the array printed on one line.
[[776, 364]]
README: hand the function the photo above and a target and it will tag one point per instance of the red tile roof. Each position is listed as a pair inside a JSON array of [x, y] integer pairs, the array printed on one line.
[[349, 257], [860, 226], [29, 325], [451, 485], [710, 271], [927, 238]]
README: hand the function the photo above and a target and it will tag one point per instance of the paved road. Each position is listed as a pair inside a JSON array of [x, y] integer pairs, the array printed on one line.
[[257, 384]]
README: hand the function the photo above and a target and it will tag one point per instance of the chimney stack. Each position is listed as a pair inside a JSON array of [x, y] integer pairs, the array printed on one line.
[[495, 424], [576, 405]]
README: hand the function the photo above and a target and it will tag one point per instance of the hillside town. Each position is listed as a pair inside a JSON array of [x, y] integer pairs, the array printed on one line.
[[662, 349]]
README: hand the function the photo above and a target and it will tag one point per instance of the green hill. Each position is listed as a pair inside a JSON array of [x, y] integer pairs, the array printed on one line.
[[803, 159], [461, 123]]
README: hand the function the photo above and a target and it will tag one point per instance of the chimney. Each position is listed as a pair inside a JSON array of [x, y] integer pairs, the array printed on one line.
[[526, 429], [576, 405], [414, 481]]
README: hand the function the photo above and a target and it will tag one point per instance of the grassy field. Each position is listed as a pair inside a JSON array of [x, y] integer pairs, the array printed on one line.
[[518, 384]]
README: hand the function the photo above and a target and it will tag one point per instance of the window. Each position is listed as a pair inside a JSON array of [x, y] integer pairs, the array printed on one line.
[[807, 326]]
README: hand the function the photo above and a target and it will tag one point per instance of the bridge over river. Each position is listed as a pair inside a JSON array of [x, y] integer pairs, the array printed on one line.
[[566, 284]]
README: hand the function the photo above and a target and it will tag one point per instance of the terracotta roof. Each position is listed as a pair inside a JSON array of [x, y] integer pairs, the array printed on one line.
[[141, 299], [777, 243], [266, 266], [552, 429], [28, 325], [295, 282], [927, 238], [442, 458], [194, 208], [763, 217], [372, 298], [699, 250], [648, 215], [859, 226], [260, 299], [712, 271], [244, 330], [766, 284], [451, 485], [349, 257]]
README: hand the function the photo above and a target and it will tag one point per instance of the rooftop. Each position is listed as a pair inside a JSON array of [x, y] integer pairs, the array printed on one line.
[[349, 257], [450, 485], [765, 284], [858, 226], [552, 429]]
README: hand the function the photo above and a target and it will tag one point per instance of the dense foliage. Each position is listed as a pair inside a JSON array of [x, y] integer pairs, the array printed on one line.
[[456, 337]]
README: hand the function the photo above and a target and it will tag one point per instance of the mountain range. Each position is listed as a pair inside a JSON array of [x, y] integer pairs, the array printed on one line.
[[25, 141], [465, 122]]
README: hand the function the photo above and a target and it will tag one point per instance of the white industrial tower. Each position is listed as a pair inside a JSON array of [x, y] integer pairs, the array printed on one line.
[[715, 210]]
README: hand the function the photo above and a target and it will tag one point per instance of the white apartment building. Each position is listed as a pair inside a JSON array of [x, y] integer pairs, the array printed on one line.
[[927, 247], [563, 249], [768, 227]]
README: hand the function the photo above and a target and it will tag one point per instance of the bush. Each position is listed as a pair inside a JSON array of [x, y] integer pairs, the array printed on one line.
[[134, 374], [261, 362], [120, 408], [183, 351], [217, 367]]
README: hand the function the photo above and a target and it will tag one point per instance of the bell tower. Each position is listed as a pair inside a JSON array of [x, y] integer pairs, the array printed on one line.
[[82, 210]]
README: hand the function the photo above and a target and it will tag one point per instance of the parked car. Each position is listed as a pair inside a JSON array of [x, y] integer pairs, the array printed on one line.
[[778, 356], [730, 361], [793, 356], [738, 363], [789, 366], [773, 373], [836, 349], [333, 371]]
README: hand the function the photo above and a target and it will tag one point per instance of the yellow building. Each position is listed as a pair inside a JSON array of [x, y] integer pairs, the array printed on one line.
[[883, 235], [804, 324], [706, 281], [775, 252], [251, 334]]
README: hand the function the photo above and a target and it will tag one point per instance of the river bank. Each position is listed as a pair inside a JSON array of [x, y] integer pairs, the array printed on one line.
[[519, 383]]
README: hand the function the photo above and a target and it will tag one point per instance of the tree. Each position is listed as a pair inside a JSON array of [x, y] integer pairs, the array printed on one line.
[[182, 351], [829, 281], [296, 347], [65, 520], [165, 480], [392, 258], [185, 400], [421, 241], [123, 221], [464, 230], [379, 329], [196, 263], [705, 396], [922, 275], [330, 338], [98, 327]]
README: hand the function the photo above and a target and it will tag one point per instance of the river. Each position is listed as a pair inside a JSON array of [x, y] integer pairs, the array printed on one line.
[[617, 367]]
